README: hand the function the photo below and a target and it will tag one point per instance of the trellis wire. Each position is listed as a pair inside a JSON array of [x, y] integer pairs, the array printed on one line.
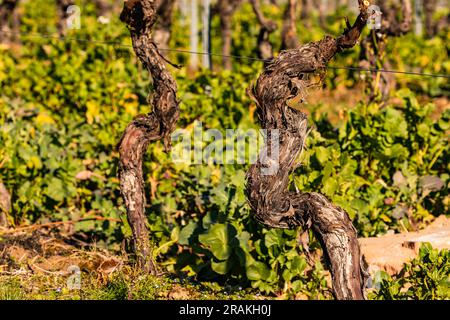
[[115, 43]]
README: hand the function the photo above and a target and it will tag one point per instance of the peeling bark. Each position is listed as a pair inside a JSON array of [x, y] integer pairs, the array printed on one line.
[[289, 33], [9, 21], [272, 204], [265, 49], [140, 17]]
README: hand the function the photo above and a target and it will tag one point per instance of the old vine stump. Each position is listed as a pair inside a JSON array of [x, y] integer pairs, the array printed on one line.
[[140, 17], [284, 78]]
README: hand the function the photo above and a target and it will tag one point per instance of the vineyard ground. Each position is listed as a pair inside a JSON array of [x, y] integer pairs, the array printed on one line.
[[34, 264]]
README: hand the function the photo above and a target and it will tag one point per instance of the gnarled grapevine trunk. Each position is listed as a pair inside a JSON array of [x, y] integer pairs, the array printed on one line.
[[140, 16], [272, 204]]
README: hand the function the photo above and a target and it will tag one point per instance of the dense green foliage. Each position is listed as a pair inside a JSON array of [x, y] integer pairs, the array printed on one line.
[[426, 278], [386, 166], [64, 105]]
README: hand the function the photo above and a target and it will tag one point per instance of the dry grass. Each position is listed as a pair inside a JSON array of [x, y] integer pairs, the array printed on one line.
[[35, 264]]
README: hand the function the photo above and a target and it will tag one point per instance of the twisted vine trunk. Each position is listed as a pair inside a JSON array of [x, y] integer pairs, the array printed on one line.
[[271, 202], [140, 16]]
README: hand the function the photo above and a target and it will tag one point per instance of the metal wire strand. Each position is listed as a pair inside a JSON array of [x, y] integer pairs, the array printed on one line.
[[115, 43]]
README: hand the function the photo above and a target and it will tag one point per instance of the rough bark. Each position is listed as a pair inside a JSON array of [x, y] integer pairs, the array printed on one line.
[[289, 39], [267, 27], [63, 15], [164, 24], [272, 204], [373, 54], [9, 20], [226, 10], [140, 16]]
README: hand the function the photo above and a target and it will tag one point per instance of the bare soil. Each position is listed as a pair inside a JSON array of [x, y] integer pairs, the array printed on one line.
[[389, 253], [49, 252]]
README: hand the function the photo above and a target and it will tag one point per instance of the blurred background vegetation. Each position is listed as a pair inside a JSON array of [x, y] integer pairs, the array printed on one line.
[[64, 105]]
